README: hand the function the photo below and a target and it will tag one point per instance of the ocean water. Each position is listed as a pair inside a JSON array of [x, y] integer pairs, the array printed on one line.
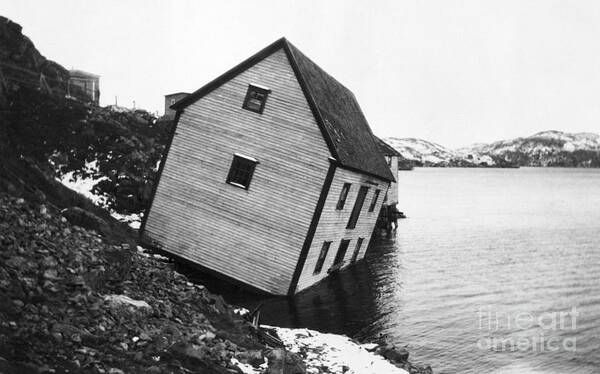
[[493, 271]]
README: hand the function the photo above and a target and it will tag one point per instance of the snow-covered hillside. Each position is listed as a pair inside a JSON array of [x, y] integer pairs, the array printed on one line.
[[421, 150], [545, 141], [547, 148], [423, 153]]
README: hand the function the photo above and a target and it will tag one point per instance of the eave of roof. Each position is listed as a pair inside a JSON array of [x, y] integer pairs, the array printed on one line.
[[340, 119], [387, 149]]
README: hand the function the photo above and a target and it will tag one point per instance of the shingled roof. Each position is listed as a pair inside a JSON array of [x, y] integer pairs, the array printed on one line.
[[342, 122]]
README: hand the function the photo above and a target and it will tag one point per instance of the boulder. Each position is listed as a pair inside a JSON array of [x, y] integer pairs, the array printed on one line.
[[282, 361], [395, 354], [122, 300], [80, 217]]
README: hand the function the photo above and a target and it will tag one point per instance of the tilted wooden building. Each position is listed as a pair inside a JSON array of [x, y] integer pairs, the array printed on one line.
[[272, 176]]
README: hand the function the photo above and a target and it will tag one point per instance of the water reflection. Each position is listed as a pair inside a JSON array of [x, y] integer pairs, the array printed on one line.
[[345, 303]]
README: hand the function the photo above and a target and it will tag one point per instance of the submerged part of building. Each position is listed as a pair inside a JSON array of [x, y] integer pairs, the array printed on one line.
[[272, 176]]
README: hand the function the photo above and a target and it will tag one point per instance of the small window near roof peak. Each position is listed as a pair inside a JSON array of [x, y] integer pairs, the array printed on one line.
[[256, 97]]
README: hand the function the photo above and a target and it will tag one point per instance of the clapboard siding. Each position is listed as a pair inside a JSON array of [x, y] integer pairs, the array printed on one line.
[[332, 224], [254, 235]]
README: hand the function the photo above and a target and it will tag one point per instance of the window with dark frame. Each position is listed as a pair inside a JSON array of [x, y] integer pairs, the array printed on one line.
[[343, 195], [241, 171], [374, 201], [358, 204], [256, 97], [341, 253], [322, 256], [357, 249]]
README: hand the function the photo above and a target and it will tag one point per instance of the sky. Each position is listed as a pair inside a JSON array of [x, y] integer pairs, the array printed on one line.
[[453, 72]]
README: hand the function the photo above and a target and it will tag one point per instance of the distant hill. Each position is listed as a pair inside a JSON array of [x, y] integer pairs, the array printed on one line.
[[547, 148]]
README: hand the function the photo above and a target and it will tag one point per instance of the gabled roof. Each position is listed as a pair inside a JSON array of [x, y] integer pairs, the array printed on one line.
[[340, 119], [387, 149]]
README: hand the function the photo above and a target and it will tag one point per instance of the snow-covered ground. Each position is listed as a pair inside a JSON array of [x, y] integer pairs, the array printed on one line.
[[84, 186], [336, 352]]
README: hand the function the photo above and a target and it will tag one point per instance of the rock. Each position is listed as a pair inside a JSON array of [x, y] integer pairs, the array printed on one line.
[[77, 216], [51, 274], [191, 355], [370, 347], [57, 336], [399, 355], [120, 300], [253, 357], [49, 262], [153, 370], [208, 336], [16, 262], [282, 361]]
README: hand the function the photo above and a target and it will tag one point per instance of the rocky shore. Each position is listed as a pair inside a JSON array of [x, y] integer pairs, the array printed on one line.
[[79, 300], [75, 301]]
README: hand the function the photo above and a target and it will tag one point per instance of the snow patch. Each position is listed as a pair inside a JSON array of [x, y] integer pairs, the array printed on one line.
[[246, 368], [336, 352], [85, 186]]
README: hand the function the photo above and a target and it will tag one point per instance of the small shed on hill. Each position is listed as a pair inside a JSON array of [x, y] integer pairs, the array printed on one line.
[[171, 99], [272, 176], [84, 86]]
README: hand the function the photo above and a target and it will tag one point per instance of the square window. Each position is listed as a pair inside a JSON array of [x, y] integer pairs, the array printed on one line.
[[343, 195], [256, 97], [374, 201], [322, 257], [241, 171]]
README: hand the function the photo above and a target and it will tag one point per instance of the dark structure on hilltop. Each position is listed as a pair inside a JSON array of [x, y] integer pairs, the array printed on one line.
[[171, 99], [84, 86]]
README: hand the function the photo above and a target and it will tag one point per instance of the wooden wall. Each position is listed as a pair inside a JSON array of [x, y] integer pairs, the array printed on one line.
[[392, 195], [332, 225], [254, 235]]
